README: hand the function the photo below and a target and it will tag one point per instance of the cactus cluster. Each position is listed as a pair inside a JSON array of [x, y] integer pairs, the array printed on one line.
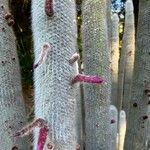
[[76, 109]]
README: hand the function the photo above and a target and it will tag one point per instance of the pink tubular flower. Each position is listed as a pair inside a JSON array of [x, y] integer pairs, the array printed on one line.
[[42, 138], [87, 79]]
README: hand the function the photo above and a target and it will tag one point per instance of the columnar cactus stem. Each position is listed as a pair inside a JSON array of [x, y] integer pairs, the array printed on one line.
[[12, 108], [96, 57], [122, 129], [136, 128], [129, 48], [114, 127], [55, 98], [147, 130], [114, 58]]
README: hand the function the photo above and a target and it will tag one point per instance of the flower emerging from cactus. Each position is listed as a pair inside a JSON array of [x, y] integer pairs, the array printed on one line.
[[87, 79]]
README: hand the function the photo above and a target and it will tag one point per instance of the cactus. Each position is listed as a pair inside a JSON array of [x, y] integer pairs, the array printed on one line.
[[147, 141], [54, 22], [129, 48], [137, 120], [122, 129], [114, 58], [114, 122], [96, 56], [13, 116]]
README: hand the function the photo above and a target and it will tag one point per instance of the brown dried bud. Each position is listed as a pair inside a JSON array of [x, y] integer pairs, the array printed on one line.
[[15, 148], [134, 104], [10, 22], [145, 117], [8, 16], [78, 147], [113, 121], [147, 92]]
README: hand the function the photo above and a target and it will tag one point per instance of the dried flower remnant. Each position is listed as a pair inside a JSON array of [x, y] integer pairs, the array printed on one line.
[[8, 17], [15, 148], [49, 8], [87, 79], [29, 128], [74, 58], [43, 55], [50, 146], [78, 147], [10, 22], [147, 92]]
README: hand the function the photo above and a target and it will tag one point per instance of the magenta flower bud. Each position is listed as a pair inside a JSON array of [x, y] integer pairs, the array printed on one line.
[[42, 138], [74, 58], [87, 79]]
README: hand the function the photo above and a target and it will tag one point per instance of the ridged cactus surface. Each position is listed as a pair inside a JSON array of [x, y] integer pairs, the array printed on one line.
[[12, 107], [55, 97]]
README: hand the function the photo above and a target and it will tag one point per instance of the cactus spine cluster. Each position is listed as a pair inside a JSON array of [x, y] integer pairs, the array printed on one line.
[[12, 108]]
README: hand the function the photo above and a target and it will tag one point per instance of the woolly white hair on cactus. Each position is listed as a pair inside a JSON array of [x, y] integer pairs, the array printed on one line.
[[129, 48], [114, 122], [12, 108], [54, 22], [122, 129], [114, 58], [96, 55]]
